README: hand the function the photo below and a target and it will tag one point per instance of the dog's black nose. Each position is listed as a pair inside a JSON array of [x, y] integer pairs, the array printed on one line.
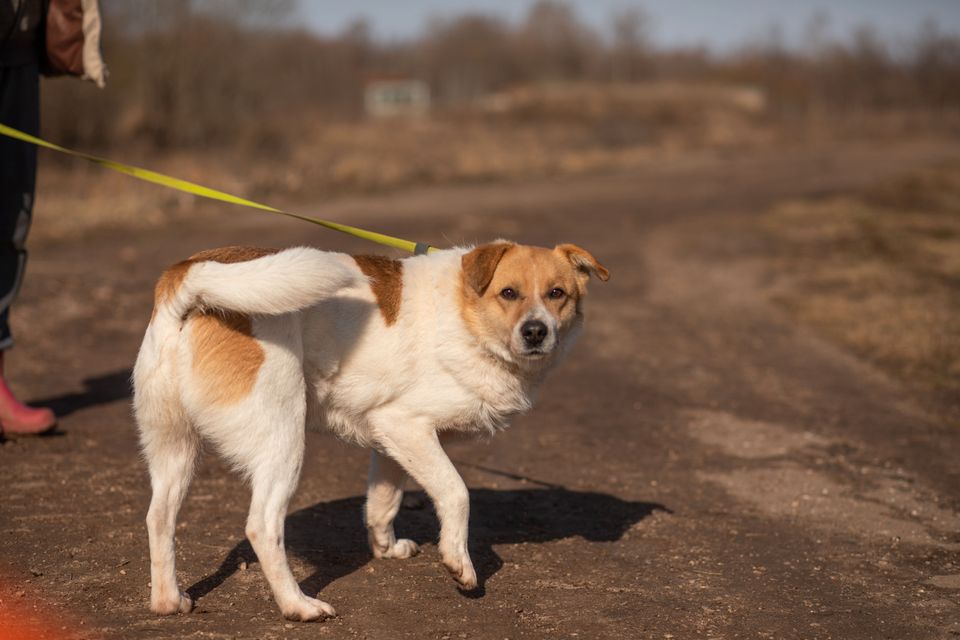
[[533, 332]]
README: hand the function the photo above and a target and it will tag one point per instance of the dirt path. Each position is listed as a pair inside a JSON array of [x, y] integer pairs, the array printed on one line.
[[698, 468]]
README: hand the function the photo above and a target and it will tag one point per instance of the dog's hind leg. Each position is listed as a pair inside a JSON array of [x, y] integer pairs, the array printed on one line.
[[274, 473], [171, 452], [384, 493]]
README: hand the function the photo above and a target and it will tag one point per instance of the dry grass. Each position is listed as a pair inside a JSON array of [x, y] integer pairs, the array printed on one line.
[[880, 274], [546, 131]]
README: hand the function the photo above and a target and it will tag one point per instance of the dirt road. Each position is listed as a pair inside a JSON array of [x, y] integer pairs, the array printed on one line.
[[700, 467]]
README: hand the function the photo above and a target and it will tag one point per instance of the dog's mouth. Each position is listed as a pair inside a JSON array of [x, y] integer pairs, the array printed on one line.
[[534, 354]]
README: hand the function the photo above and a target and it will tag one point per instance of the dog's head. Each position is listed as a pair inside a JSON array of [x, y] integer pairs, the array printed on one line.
[[524, 302]]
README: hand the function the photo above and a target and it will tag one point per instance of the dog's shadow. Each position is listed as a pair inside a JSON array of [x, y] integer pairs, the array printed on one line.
[[97, 390], [330, 535]]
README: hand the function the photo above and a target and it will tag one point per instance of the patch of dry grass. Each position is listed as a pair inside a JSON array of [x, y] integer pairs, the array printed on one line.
[[880, 274], [305, 157]]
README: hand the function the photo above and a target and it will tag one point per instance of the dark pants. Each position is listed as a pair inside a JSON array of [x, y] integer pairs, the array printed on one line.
[[20, 109]]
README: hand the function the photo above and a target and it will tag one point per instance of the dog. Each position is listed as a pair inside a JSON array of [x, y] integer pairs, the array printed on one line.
[[247, 347]]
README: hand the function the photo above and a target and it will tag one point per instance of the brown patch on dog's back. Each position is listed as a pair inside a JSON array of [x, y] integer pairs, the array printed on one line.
[[169, 282], [226, 356], [172, 278], [231, 255], [386, 281]]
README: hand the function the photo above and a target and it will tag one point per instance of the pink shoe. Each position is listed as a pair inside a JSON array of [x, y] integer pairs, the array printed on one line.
[[17, 418]]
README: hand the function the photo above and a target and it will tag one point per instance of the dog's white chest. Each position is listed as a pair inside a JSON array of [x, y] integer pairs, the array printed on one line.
[[466, 399]]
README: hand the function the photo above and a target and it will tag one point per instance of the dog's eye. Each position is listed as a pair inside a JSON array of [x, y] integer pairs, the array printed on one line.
[[556, 293], [508, 294]]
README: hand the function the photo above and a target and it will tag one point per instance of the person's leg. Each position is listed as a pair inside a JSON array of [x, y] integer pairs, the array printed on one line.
[[19, 108]]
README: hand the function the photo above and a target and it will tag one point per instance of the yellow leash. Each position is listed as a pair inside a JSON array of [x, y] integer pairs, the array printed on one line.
[[205, 192]]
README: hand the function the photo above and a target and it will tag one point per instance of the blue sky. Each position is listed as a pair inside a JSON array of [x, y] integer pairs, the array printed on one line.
[[719, 24]]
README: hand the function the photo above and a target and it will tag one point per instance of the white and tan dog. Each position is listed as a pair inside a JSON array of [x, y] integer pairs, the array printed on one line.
[[247, 346]]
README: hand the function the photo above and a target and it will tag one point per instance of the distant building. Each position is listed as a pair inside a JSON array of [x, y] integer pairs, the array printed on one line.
[[396, 97]]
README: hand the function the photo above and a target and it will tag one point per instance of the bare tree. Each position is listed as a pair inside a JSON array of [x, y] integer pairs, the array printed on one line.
[[631, 47]]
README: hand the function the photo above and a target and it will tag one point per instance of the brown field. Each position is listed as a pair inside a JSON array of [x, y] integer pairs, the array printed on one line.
[[879, 272], [564, 130]]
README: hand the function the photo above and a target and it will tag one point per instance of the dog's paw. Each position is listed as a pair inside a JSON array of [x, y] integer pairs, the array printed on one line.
[[306, 609], [461, 568], [387, 547], [402, 548], [178, 603]]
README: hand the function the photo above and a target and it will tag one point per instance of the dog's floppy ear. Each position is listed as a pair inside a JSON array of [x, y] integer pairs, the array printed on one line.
[[480, 264], [583, 261]]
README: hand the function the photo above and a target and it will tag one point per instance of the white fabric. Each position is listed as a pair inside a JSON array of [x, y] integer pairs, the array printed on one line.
[[94, 68]]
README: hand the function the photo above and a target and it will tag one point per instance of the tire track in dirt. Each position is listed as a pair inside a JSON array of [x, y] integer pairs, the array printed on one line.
[[809, 437]]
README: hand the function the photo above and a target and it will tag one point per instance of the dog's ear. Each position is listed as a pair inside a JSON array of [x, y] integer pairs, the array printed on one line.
[[582, 261], [480, 264]]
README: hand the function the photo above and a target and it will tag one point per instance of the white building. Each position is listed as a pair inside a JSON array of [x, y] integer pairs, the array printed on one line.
[[403, 97]]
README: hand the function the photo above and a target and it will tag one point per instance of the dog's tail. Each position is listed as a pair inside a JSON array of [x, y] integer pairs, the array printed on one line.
[[253, 281]]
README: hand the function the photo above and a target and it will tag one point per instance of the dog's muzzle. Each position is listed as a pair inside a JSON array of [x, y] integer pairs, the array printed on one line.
[[534, 339], [533, 333]]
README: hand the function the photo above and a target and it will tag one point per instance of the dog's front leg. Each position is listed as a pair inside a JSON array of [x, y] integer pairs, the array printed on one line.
[[384, 493], [414, 445]]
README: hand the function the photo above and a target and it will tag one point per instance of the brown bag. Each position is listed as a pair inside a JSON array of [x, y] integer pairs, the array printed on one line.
[[64, 38]]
